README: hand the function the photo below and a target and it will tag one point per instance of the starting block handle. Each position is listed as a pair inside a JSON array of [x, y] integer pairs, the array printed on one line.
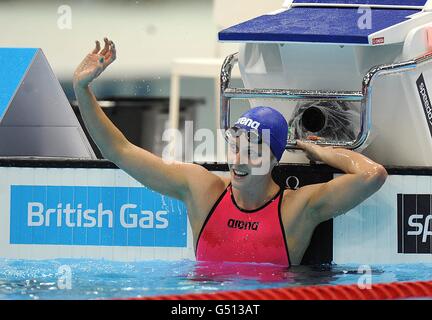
[[364, 97]]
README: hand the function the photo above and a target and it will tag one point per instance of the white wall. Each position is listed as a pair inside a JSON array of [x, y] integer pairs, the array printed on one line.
[[148, 34]]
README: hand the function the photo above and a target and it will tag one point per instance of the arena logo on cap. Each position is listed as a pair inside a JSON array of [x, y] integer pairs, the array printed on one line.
[[249, 123], [89, 215]]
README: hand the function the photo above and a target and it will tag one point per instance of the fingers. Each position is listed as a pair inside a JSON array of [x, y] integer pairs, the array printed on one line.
[[313, 138], [97, 48], [111, 55], [106, 47], [301, 144], [108, 53], [308, 141], [306, 146]]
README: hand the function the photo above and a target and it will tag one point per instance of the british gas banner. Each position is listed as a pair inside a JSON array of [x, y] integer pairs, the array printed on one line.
[[93, 215]]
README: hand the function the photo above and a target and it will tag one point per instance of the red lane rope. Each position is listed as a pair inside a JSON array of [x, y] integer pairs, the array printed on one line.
[[383, 291]]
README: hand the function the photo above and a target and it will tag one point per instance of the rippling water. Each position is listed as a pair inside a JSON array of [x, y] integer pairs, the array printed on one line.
[[95, 279]]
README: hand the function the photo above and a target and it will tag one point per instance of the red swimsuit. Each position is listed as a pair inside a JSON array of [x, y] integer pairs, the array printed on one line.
[[237, 235]]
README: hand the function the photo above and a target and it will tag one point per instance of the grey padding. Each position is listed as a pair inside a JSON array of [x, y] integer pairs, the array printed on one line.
[[40, 121]]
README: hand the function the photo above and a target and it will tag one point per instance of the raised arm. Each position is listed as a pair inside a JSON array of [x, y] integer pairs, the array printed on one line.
[[362, 178], [170, 179]]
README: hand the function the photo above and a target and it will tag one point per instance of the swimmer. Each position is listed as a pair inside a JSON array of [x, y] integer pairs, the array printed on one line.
[[245, 217]]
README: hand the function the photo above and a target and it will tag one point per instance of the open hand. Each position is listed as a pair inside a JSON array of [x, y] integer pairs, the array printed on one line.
[[94, 63]]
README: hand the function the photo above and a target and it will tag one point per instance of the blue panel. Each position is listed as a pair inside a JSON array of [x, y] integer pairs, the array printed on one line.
[[108, 199], [52, 199], [134, 234], [13, 65], [38, 234], [90, 215], [104, 216], [80, 201], [371, 2], [326, 25], [120, 233], [66, 199], [19, 221]]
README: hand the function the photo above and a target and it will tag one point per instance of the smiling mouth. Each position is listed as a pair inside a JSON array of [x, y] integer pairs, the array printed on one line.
[[239, 173]]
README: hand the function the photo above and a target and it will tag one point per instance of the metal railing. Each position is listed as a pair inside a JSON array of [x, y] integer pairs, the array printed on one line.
[[228, 93]]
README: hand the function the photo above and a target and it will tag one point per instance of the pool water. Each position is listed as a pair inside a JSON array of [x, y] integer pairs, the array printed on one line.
[[99, 279]]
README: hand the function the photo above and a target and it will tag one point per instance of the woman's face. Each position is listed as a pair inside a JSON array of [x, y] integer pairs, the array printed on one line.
[[248, 162]]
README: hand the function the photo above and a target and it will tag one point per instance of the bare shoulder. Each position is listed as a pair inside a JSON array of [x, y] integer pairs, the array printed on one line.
[[294, 202], [301, 194], [201, 178], [204, 184], [308, 190], [205, 188]]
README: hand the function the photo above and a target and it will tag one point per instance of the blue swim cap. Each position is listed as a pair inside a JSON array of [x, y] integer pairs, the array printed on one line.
[[261, 118]]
